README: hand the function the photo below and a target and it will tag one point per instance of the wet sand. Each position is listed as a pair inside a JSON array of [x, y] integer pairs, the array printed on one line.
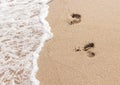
[[65, 59]]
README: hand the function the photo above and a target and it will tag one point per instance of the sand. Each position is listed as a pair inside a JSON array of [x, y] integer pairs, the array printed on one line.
[[63, 60]]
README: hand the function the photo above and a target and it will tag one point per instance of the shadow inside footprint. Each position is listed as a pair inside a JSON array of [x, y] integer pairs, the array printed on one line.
[[77, 16], [91, 54], [89, 46]]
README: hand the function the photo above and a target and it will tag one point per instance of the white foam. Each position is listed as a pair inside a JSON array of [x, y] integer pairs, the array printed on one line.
[[47, 35], [22, 35]]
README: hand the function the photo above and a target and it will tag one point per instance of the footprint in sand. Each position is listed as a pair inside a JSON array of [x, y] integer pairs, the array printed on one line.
[[87, 49], [76, 19]]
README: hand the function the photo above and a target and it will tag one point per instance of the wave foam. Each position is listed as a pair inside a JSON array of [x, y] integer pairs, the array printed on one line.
[[23, 31]]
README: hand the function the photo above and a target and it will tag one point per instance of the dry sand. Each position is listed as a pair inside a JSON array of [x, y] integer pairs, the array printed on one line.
[[60, 64]]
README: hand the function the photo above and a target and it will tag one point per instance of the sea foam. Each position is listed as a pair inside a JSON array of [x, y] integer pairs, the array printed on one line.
[[23, 32]]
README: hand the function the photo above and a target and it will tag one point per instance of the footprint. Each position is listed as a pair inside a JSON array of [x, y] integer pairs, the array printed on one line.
[[87, 48], [76, 19]]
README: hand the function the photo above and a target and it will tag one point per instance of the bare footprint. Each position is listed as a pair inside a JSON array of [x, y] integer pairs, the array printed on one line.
[[76, 19]]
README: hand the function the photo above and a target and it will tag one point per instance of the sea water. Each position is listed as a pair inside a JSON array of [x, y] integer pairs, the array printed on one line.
[[23, 31]]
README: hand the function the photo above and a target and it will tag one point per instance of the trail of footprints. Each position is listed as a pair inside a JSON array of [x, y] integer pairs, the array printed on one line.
[[87, 48]]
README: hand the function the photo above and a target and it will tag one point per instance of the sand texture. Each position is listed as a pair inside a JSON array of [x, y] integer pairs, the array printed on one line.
[[68, 58]]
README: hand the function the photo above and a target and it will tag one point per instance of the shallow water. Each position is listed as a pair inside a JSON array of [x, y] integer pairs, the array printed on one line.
[[23, 32]]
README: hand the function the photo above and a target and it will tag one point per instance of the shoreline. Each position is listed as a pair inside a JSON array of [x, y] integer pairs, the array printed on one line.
[[44, 38]]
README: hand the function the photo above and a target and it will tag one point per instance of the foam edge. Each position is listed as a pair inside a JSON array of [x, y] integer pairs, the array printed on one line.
[[46, 36]]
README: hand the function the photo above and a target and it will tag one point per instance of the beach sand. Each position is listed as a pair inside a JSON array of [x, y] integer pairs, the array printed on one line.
[[64, 61]]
